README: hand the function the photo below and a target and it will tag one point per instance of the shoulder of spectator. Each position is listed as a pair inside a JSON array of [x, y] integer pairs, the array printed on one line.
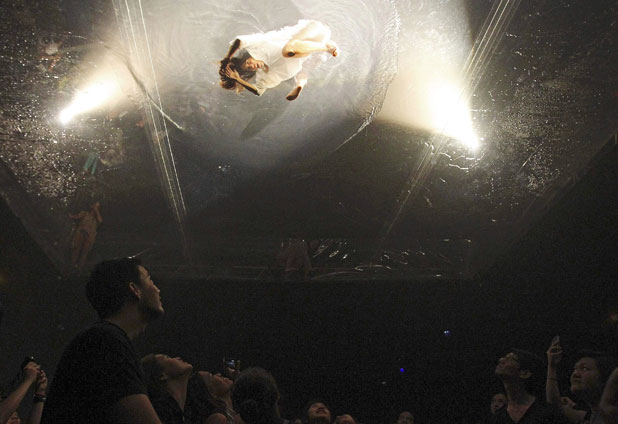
[[134, 409]]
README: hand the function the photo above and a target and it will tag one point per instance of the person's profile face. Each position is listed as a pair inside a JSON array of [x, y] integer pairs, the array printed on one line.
[[497, 402], [150, 299], [218, 386], [508, 365], [251, 64], [173, 367]]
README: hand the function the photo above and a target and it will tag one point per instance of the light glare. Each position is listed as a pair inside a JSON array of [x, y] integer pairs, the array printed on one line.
[[91, 97], [449, 114]]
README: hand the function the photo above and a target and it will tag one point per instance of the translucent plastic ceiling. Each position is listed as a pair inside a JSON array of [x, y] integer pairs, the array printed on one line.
[[436, 137]]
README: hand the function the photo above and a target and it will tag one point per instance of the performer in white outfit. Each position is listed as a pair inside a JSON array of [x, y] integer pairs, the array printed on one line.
[[274, 57]]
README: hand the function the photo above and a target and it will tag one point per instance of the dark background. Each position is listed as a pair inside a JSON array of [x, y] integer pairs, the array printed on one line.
[[346, 341]]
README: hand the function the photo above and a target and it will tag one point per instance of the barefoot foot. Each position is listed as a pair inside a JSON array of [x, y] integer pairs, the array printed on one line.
[[332, 49], [292, 95]]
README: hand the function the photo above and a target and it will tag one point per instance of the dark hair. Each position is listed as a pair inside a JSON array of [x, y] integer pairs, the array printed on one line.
[[108, 287], [236, 64], [153, 373], [605, 363], [255, 395], [528, 361], [200, 403]]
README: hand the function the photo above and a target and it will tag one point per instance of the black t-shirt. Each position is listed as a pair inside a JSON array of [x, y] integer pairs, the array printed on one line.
[[538, 413], [168, 410], [97, 369]]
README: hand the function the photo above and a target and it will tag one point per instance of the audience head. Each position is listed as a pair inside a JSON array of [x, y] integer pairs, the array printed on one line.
[[318, 412], [345, 419], [160, 370], [497, 402], [255, 395], [590, 372], [200, 402], [405, 417], [519, 366], [117, 282]]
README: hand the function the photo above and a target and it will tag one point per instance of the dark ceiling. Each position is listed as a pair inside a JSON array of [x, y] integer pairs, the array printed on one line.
[[204, 182]]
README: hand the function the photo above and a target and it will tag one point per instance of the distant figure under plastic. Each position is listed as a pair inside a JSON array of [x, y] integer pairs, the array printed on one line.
[[273, 57]]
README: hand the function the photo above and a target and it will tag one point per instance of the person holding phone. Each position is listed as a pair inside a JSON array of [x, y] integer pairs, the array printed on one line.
[[31, 374], [590, 372]]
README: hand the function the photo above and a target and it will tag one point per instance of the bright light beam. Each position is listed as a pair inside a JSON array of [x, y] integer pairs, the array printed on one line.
[[90, 98], [449, 114], [428, 92]]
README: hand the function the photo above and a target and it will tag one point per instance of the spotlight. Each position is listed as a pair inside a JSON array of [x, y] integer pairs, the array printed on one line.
[[92, 96], [450, 114]]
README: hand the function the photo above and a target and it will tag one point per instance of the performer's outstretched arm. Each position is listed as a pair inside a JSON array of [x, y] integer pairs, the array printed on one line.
[[235, 46]]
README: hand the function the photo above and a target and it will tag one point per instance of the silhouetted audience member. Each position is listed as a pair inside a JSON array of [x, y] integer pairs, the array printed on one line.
[[99, 378], [84, 234], [294, 258], [30, 375], [517, 370], [405, 417], [209, 399], [317, 412], [255, 396], [166, 381], [590, 372], [609, 399]]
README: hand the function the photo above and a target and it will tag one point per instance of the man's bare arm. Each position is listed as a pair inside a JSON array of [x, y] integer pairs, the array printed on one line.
[[134, 409]]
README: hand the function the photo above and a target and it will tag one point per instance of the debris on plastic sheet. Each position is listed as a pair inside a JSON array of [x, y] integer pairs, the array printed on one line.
[[224, 169]]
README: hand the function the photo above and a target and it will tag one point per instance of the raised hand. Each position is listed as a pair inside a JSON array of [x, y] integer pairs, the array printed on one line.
[[231, 73], [41, 384], [31, 372], [554, 353]]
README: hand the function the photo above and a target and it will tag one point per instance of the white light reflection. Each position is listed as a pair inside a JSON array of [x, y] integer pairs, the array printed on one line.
[[428, 92], [87, 99], [449, 114]]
